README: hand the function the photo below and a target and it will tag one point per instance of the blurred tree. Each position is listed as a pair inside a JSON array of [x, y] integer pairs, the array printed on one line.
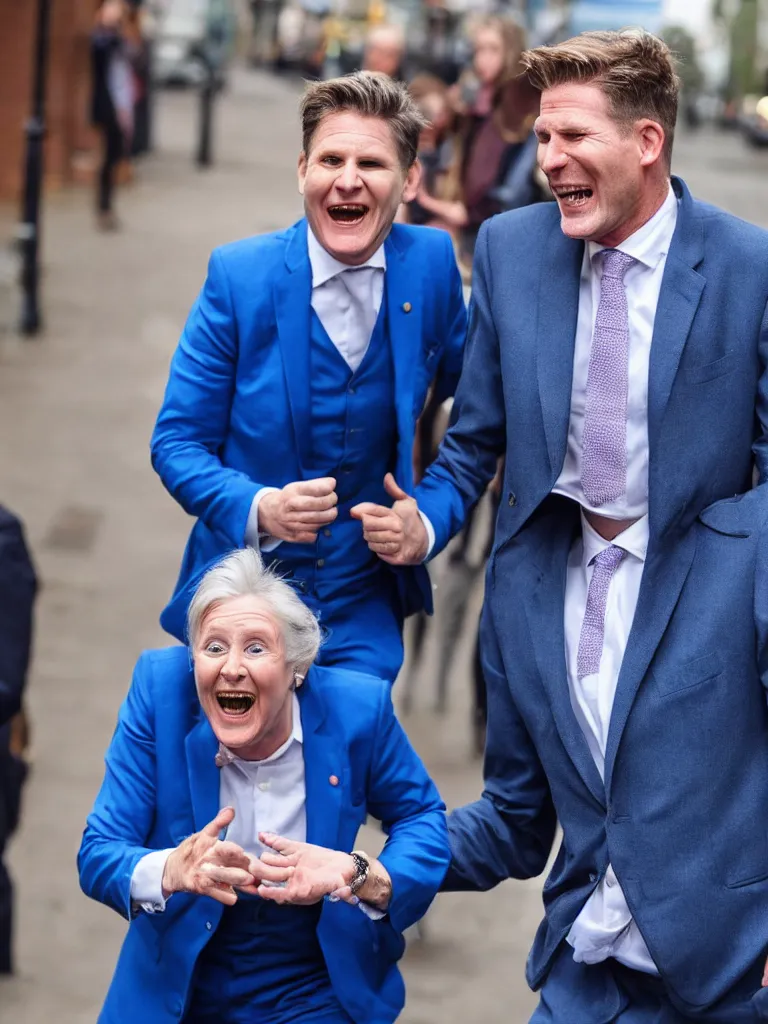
[[741, 20], [683, 45]]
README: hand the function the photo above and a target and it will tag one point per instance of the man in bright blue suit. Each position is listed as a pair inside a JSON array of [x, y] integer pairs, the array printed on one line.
[[304, 367]]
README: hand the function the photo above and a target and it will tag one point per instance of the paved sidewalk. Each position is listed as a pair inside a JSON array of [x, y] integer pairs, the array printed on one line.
[[76, 411]]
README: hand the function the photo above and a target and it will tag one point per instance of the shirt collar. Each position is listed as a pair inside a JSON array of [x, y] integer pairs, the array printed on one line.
[[651, 241], [634, 540], [324, 266], [225, 756]]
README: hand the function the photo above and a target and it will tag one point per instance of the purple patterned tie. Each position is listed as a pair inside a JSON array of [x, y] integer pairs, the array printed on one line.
[[593, 627], [604, 443]]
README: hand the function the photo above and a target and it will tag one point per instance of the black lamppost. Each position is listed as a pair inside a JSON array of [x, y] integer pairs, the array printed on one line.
[[29, 229]]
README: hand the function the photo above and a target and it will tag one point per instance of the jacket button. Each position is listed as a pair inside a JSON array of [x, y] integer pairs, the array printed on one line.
[[511, 500], [326, 533], [208, 925], [320, 563]]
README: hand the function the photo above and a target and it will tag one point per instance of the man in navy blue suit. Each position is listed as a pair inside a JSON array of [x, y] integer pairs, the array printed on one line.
[[616, 353], [303, 368]]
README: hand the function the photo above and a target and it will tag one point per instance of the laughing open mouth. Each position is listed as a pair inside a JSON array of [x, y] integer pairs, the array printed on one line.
[[572, 195], [347, 213], [235, 703]]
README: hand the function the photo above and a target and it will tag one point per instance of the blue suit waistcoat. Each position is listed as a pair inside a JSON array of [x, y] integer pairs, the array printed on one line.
[[237, 413], [161, 785]]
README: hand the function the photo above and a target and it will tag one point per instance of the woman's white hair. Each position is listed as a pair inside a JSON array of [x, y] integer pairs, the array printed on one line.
[[243, 572]]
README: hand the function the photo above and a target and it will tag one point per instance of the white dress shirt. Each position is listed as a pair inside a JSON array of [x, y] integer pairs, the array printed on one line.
[[648, 246], [605, 927], [267, 795]]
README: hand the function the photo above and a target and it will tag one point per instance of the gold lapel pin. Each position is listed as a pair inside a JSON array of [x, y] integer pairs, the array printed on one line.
[[407, 307], [334, 780]]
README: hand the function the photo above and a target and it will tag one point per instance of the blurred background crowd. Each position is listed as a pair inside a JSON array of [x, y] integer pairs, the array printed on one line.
[[135, 97]]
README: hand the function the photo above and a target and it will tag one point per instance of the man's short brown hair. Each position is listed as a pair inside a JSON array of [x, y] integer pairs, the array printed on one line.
[[635, 70], [371, 94]]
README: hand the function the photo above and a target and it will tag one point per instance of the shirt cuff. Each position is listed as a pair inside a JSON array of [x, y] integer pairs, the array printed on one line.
[[430, 534], [147, 882], [372, 913], [253, 537]]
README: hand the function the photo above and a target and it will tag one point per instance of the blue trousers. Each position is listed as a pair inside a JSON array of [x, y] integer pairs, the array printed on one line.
[[609, 993], [364, 632]]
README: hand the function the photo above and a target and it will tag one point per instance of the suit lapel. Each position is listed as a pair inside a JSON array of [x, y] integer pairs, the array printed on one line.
[[681, 290], [201, 747], [293, 296], [324, 759], [663, 578], [404, 297], [544, 602], [558, 304]]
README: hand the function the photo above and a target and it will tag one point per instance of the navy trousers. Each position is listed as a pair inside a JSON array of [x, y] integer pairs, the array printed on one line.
[[609, 993]]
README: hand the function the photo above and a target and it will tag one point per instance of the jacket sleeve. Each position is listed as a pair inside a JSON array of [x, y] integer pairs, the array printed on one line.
[[760, 446], [194, 419], [467, 458], [404, 798], [18, 585], [449, 370], [115, 837], [509, 831]]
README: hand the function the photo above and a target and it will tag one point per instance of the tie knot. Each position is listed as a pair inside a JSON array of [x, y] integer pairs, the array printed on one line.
[[616, 263], [609, 558]]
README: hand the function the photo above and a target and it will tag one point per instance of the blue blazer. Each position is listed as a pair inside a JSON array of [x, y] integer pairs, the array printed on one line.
[[161, 785], [682, 814], [707, 392], [237, 415]]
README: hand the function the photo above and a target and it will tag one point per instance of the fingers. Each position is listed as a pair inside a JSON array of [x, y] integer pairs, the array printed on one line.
[[279, 860], [276, 870], [224, 895], [275, 842], [324, 486], [393, 489], [223, 820], [367, 509], [227, 876]]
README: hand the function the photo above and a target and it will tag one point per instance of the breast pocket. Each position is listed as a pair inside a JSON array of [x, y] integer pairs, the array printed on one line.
[[676, 678], [710, 371]]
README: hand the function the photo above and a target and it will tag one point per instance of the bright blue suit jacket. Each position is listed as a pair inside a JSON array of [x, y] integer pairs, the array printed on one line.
[[161, 785], [682, 814], [707, 390], [237, 411]]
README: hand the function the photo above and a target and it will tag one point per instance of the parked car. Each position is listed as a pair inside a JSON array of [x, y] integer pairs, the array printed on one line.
[[191, 34]]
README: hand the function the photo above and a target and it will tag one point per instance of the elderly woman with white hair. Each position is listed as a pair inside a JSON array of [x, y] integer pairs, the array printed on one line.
[[235, 785]]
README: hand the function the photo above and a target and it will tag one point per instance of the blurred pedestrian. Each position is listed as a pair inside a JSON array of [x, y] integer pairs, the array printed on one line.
[[301, 372], [436, 147], [497, 107], [385, 51], [113, 101], [18, 585]]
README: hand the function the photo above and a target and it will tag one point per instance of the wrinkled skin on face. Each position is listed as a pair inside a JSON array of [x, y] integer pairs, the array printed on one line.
[[243, 681], [353, 183], [608, 177]]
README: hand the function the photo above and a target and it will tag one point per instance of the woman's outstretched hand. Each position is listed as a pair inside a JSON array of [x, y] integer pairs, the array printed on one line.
[[315, 871], [208, 866]]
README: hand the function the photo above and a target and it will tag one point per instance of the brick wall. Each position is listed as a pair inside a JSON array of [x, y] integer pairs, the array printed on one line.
[[68, 89]]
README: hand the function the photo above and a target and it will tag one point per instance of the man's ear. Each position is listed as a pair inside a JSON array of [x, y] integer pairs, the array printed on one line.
[[412, 182], [651, 137], [302, 171]]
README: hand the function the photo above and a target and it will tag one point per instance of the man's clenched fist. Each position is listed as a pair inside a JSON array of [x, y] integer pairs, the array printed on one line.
[[299, 510], [397, 535]]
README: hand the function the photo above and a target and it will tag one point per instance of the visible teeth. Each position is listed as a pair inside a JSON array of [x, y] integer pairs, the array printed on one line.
[[236, 703]]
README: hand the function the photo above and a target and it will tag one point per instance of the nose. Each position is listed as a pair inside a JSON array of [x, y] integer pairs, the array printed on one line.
[[233, 669], [551, 156], [348, 179]]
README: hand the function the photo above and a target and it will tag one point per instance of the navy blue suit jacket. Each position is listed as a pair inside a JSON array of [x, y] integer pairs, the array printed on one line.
[[162, 784], [237, 411], [682, 814], [707, 391]]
